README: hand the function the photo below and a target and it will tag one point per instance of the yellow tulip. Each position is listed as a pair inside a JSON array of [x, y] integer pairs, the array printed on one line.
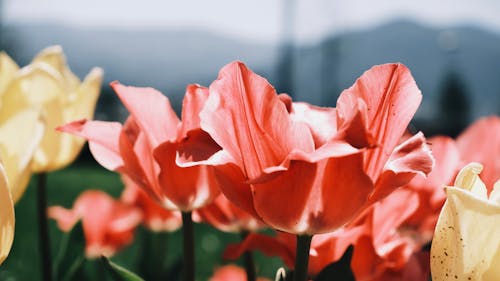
[[49, 86], [466, 244], [7, 219], [19, 138]]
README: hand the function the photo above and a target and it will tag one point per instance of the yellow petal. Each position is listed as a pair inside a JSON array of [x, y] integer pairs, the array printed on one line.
[[466, 243], [19, 138], [54, 56], [8, 69], [7, 219]]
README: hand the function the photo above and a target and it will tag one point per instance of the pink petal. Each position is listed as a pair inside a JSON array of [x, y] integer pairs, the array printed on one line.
[[392, 98], [410, 158], [103, 140], [481, 143], [151, 110], [245, 116]]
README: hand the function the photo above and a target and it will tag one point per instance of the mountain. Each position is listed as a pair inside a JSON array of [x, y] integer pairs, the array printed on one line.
[[170, 59]]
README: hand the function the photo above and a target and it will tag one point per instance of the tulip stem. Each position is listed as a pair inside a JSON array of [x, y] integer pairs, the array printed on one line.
[[302, 257], [43, 230], [248, 260], [188, 233]]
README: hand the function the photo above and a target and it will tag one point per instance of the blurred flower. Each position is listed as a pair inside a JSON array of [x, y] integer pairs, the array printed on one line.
[[145, 148], [466, 244], [108, 224], [19, 138], [225, 216], [304, 169], [7, 218], [431, 195], [231, 273], [47, 85], [480, 142], [387, 249], [154, 216]]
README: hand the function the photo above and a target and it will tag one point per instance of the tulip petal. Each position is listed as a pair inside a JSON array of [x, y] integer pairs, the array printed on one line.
[[188, 188], [392, 98], [19, 138], [151, 110], [466, 243], [410, 158], [103, 140], [7, 218], [269, 246], [8, 69], [192, 104], [245, 116], [313, 197], [320, 120]]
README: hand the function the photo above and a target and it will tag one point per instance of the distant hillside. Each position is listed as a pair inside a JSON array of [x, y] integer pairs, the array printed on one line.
[[170, 59], [343, 58]]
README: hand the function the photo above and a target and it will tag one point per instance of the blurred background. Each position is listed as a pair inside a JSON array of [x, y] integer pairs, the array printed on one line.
[[311, 49]]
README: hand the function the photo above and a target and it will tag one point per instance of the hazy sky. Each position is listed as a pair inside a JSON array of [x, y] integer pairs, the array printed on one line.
[[260, 20]]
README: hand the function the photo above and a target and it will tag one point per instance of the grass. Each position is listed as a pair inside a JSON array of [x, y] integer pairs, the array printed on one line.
[[63, 188]]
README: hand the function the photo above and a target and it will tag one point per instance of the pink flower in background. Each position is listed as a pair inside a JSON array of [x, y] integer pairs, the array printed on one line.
[[154, 216], [231, 273], [144, 148], [227, 217], [480, 142], [108, 224]]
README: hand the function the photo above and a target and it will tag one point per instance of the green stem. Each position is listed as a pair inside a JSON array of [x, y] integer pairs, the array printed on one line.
[[43, 231], [188, 233], [302, 257], [248, 261]]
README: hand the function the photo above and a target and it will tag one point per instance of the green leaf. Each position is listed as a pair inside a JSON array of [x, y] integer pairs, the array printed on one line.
[[70, 257], [119, 273]]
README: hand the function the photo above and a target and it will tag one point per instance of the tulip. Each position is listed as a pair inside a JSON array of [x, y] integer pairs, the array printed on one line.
[[466, 244], [7, 218], [108, 224], [145, 149], [48, 85], [154, 216], [295, 166], [307, 170]]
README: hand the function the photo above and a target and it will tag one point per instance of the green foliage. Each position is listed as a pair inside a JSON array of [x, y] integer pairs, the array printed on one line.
[[119, 273], [71, 257]]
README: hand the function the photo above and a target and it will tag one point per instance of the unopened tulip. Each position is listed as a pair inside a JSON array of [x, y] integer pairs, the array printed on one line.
[[466, 244]]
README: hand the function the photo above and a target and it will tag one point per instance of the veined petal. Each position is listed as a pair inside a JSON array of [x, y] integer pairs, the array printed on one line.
[[245, 116], [151, 110], [392, 98], [103, 140], [313, 197], [193, 103], [7, 218], [410, 158]]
